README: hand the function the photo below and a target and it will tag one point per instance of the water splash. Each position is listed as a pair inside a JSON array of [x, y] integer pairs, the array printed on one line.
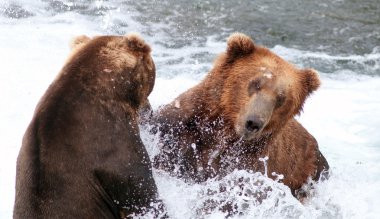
[[246, 194]]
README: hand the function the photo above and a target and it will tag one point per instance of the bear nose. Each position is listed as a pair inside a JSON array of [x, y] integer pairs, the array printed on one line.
[[253, 124]]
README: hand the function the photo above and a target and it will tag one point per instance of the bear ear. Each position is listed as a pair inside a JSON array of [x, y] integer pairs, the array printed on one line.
[[310, 79], [79, 41], [239, 45], [136, 43]]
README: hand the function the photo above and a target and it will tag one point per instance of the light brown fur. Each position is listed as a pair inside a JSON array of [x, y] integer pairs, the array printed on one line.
[[243, 110]]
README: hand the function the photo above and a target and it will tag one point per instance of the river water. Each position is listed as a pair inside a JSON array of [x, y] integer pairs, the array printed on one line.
[[339, 38]]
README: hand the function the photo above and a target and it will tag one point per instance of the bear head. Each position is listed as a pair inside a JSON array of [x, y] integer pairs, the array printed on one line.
[[114, 66], [261, 91]]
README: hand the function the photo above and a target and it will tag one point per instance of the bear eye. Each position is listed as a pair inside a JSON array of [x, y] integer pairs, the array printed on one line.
[[254, 86], [280, 99]]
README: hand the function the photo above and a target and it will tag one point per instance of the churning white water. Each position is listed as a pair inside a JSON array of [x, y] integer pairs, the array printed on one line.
[[343, 115]]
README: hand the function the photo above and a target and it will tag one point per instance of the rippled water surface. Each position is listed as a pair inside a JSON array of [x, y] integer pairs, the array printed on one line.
[[340, 39]]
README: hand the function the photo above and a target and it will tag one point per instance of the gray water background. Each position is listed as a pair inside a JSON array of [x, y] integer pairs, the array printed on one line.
[[334, 35]]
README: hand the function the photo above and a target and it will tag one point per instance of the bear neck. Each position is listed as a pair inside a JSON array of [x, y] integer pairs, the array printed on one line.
[[208, 94], [104, 92], [206, 99]]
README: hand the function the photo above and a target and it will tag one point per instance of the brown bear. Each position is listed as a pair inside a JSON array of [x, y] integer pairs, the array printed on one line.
[[82, 156], [242, 111]]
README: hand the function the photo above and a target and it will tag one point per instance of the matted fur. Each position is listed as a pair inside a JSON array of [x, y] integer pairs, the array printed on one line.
[[82, 156], [207, 136]]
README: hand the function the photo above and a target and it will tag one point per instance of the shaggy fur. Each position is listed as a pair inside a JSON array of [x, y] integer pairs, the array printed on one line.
[[82, 156], [243, 110]]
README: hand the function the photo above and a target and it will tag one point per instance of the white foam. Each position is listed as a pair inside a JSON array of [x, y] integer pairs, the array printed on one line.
[[343, 115], [296, 53]]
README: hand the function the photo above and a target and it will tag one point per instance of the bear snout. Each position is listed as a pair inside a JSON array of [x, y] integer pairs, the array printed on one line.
[[253, 124]]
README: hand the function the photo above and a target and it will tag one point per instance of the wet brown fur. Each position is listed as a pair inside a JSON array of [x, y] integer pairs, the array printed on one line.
[[82, 156], [199, 137]]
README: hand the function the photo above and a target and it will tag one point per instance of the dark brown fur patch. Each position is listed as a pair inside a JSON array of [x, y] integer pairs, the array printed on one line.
[[82, 156], [239, 45]]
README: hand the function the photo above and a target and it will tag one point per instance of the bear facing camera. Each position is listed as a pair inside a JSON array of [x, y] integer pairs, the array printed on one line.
[[242, 111]]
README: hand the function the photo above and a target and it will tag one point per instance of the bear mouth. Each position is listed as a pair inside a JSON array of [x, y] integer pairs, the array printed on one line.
[[248, 135], [251, 135]]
